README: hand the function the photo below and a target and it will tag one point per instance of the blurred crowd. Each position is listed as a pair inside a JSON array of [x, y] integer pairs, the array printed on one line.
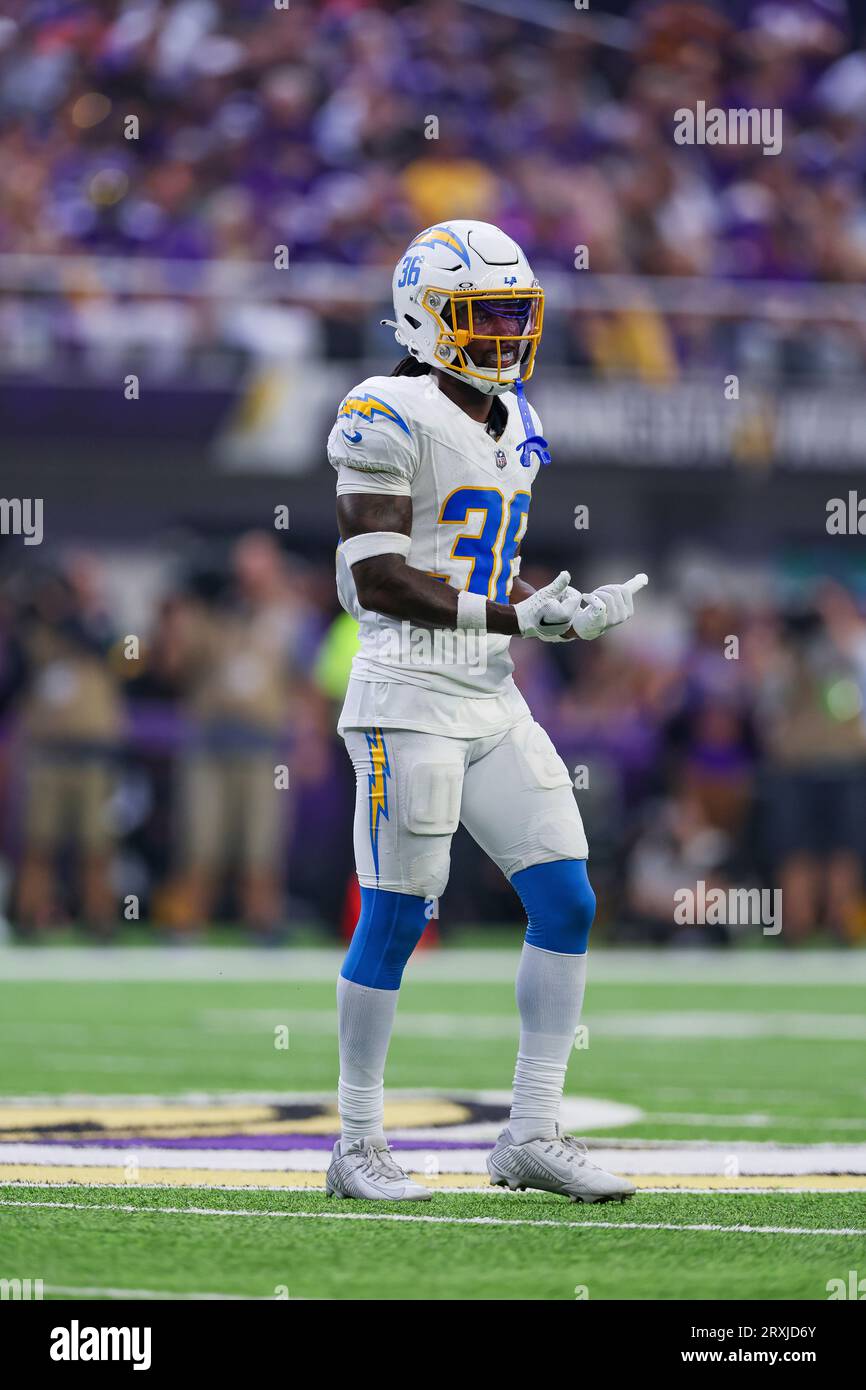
[[149, 773], [172, 760], [190, 772], [338, 129]]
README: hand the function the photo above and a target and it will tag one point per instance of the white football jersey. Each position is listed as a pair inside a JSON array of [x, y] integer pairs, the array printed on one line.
[[470, 504]]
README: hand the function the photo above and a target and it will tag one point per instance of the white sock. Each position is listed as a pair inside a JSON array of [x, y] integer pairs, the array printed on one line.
[[549, 992], [366, 1017]]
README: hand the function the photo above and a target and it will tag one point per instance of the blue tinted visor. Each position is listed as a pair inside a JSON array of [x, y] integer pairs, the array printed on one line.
[[517, 309]]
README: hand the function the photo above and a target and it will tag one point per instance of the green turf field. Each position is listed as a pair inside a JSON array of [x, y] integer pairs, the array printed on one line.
[[459, 1246], [170, 1056]]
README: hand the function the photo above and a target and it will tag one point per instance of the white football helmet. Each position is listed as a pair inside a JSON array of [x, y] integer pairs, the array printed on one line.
[[455, 284]]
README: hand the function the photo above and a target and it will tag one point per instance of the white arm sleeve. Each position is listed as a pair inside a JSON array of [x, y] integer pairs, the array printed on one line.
[[371, 543]]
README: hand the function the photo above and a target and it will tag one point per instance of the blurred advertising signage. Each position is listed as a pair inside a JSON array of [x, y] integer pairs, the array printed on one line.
[[283, 418], [691, 425]]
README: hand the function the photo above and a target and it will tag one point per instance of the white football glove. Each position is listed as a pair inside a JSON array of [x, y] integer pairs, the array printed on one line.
[[616, 606], [581, 619], [546, 613]]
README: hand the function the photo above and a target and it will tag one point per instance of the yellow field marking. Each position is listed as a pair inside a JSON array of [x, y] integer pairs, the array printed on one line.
[[237, 1177], [28, 1123], [765, 1182]]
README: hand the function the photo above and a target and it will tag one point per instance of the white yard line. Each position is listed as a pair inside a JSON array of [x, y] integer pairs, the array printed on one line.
[[754, 1121], [687, 1160], [228, 966], [647, 1025], [716, 1228], [454, 1028]]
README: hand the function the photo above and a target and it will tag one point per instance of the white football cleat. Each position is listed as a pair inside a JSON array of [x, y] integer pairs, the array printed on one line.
[[559, 1165], [367, 1169]]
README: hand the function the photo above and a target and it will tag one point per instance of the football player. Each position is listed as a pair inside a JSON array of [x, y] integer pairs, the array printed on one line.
[[435, 466]]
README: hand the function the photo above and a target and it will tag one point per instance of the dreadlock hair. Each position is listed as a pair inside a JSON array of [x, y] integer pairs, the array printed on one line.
[[498, 419], [410, 366]]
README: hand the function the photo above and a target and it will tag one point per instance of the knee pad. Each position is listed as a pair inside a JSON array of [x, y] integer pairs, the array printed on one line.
[[389, 928], [560, 905]]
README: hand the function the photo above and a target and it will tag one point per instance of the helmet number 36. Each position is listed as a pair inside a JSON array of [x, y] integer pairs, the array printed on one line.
[[410, 271]]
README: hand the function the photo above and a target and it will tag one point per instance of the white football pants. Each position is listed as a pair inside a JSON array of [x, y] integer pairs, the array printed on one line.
[[511, 790]]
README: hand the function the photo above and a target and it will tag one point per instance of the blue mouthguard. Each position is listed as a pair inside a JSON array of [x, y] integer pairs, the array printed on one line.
[[533, 443]]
